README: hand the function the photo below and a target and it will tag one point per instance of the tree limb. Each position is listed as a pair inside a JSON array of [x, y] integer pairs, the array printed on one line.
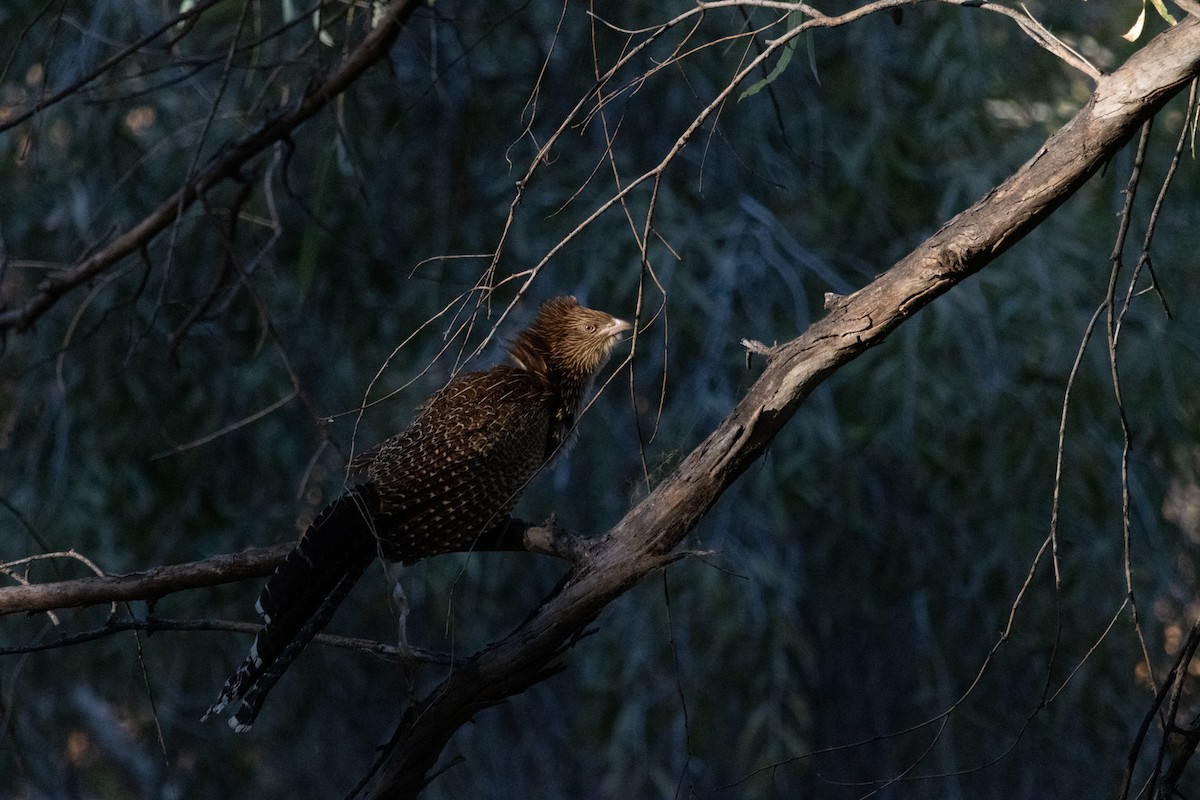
[[546, 539], [151, 584], [641, 542]]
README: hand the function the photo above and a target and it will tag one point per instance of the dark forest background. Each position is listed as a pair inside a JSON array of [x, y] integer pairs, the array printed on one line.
[[831, 641]]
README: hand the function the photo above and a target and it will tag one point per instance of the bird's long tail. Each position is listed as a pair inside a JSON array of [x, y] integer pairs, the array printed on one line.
[[301, 597]]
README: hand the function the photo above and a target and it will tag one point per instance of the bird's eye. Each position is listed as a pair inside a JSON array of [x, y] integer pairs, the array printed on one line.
[[589, 328]]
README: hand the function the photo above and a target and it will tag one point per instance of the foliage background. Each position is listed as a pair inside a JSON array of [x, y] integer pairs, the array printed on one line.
[[860, 575]]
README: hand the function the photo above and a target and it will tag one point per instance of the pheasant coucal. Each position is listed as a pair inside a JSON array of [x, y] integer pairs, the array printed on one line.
[[446, 484]]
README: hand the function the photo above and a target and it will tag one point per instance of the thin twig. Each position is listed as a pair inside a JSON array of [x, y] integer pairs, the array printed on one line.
[[1113, 319], [155, 624]]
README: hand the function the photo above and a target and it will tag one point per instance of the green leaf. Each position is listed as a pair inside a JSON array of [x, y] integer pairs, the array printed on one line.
[[1161, 8], [762, 83], [789, 49]]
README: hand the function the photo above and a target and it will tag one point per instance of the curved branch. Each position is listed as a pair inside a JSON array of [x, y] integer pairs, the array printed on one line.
[[642, 541], [373, 48]]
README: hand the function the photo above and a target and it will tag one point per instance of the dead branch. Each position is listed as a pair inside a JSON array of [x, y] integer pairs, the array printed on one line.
[[641, 542]]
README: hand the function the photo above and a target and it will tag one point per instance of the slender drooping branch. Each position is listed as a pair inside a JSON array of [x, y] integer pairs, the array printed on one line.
[[642, 541], [373, 48]]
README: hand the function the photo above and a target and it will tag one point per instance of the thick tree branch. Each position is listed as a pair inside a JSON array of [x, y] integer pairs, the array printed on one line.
[[30, 598], [642, 541], [228, 162], [153, 583]]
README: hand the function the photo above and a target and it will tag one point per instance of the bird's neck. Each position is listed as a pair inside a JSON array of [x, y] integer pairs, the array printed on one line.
[[567, 401]]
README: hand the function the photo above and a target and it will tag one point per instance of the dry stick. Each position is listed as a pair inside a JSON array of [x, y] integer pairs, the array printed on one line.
[[1113, 321], [641, 542], [1152, 223], [374, 47]]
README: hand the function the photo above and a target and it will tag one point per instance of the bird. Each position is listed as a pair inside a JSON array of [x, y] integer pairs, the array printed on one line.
[[447, 483]]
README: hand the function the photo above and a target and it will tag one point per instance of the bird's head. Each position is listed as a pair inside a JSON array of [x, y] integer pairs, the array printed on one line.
[[567, 341]]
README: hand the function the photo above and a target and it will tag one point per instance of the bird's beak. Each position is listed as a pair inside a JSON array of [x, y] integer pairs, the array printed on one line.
[[615, 328]]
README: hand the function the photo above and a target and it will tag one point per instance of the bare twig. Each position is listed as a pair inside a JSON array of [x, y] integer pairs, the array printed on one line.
[[1113, 317], [154, 624]]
